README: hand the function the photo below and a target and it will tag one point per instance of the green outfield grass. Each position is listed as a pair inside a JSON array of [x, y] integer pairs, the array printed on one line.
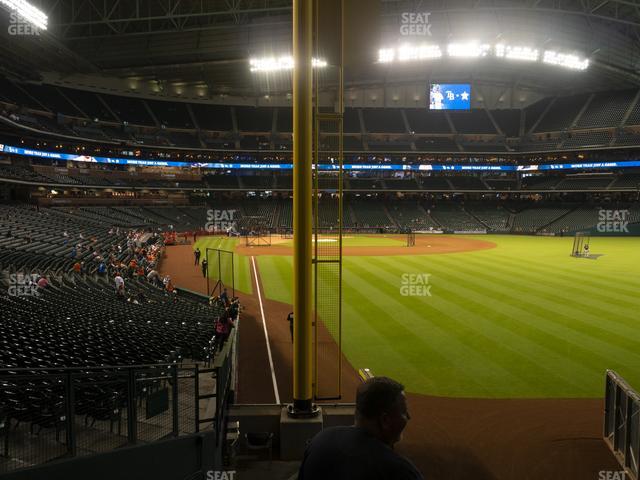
[[522, 320]]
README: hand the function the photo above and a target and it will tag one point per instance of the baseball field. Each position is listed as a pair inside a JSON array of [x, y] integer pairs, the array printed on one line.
[[476, 316]]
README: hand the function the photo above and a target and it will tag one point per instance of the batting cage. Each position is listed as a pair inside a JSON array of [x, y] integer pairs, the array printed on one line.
[[258, 238], [581, 245]]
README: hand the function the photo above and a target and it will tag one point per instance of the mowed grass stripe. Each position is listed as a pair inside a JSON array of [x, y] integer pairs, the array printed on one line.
[[398, 334], [589, 282], [579, 316], [276, 277], [592, 350], [620, 317], [489, 339], [468, 333], [531, 253]]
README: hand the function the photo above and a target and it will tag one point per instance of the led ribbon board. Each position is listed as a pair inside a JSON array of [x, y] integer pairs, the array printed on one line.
[[288, 166]]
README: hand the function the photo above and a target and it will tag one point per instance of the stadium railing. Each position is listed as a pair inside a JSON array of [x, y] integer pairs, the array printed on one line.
[[49, 414], [622, 423]]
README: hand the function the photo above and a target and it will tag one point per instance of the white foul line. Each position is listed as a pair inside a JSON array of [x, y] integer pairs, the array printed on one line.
[[266, 335]]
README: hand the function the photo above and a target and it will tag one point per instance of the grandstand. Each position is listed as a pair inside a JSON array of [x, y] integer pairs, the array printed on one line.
[[138, 139]]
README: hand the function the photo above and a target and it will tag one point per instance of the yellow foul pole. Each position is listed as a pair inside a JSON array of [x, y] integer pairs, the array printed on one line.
[[302, 196]]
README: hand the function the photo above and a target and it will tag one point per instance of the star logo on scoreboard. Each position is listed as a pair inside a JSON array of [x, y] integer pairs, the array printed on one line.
[[464, 96]]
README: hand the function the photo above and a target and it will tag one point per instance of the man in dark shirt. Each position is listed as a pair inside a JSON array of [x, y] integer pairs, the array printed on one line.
[[364, 451], [196, 254], [290, 320], [205, 267], [224, 297]]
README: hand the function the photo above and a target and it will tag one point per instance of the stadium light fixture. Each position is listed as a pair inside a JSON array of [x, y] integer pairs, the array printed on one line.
[[420, 52], [28, 12], [407, 52], [386, 55], [468, 50], [276, 64], [517, 52], [566, 60]]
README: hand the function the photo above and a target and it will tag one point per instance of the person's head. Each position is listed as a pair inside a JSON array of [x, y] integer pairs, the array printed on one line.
[[381, 408]]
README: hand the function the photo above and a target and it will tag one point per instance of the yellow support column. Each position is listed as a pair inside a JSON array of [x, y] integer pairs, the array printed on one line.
[[302, 212]]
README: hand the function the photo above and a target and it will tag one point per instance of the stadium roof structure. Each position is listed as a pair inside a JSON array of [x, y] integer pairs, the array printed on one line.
[[209, 43]]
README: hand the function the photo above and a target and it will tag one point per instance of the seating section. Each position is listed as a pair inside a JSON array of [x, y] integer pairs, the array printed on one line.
[[436, 144], [128, 109], [474, 121], [411, 215], [562, 113], [213, 117], [502, 184], [401, 184], [627, 181], [370, 214], [252, 119], [422, 120], [467, 183], [533, 113], [542, 182], [539, 144], [455, 218], [606, 109], [383, 120], [78, 322], [354, 183], [171, 114], [508, 121], [585, 183], [588, 139], [534, 219], [496, 218]]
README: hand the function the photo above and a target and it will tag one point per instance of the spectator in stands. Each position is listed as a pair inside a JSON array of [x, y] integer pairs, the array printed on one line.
[[74, 252], [119, 281], [234, 308], [102, 268], [43, 282], [224, 297], [223, 327], [77, 267], [290, 320], [364, 451], [196, 254], [205, 266], [154, 277]]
